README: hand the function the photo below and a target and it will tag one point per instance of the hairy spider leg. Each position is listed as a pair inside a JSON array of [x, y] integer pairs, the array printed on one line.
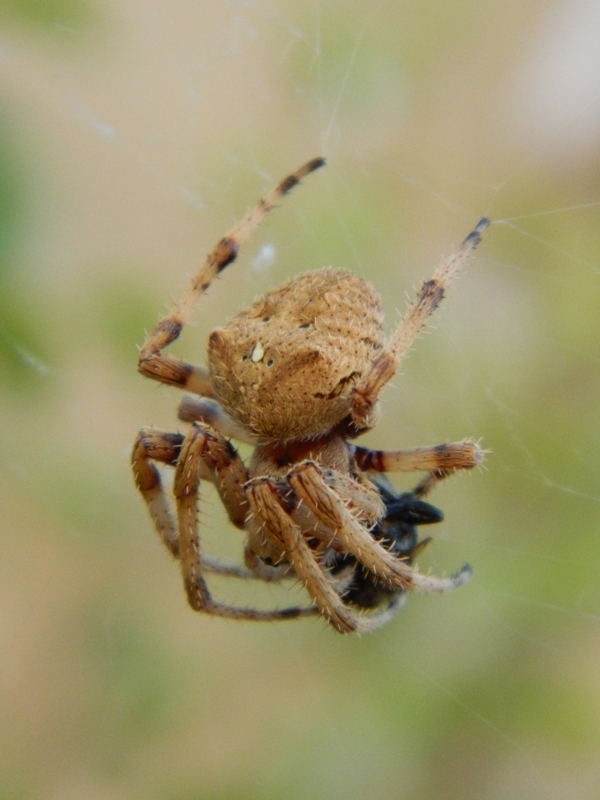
[[153, 363], [440, 461], [221, 465], [428, 298], [194, 458], [329, 508], [265, 503]]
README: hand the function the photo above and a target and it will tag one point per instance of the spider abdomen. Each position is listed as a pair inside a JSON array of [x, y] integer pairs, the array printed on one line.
[[285, 366]]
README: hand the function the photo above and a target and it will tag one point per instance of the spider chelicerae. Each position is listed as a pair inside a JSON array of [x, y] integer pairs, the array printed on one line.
[[298, 375]]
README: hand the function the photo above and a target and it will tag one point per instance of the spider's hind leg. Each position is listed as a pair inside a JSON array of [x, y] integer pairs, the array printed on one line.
[[427, 300]]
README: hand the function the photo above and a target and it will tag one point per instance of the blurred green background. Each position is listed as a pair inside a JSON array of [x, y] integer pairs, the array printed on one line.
[[131, 135]]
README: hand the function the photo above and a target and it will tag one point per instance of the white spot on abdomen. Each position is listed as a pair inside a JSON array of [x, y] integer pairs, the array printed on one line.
[[258, 352]]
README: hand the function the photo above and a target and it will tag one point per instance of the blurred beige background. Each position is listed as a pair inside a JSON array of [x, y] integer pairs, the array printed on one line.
[[131, 135]]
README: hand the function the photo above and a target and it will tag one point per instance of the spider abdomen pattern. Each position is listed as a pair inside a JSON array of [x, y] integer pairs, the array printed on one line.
[[285, 367], [297, 375]]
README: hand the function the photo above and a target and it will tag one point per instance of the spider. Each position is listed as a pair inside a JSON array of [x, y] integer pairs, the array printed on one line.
[[297, 375]]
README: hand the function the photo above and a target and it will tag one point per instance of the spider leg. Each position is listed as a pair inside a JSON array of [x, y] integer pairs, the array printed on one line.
[[195, 456], [222, 466], [428, 298], [430, 480], [309, 483], [444, 458], [227, 468], [204, 409], [265, 502], [152, 445], [153, 363], [440, 461]]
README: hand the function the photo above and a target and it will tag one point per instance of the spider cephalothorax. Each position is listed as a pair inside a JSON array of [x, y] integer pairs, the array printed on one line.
[[298, 374]]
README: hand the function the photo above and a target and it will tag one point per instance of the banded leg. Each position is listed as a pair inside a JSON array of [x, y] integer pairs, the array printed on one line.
[[440, 461], [430, 480], [266, 504], [329, 508], [152, 445], [194, 460], [153, 363], [439, 458], [428, 298]]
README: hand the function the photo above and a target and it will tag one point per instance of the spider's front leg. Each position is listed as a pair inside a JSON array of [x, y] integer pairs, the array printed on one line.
[[317, 489], [431, 293], [205, 450], [268, 506]]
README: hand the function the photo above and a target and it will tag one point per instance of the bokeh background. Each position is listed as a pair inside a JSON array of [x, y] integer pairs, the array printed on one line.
[[131, 136]]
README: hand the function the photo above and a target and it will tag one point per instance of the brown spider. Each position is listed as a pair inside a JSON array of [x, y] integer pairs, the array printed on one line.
[[297, 374]]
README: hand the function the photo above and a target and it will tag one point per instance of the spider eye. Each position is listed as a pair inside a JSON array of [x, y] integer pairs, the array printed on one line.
[[270, 362], [305, 325], [266, 319], [244, 358]]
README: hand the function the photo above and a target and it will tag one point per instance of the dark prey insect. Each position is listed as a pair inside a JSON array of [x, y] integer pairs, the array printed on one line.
[[298, 375]]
